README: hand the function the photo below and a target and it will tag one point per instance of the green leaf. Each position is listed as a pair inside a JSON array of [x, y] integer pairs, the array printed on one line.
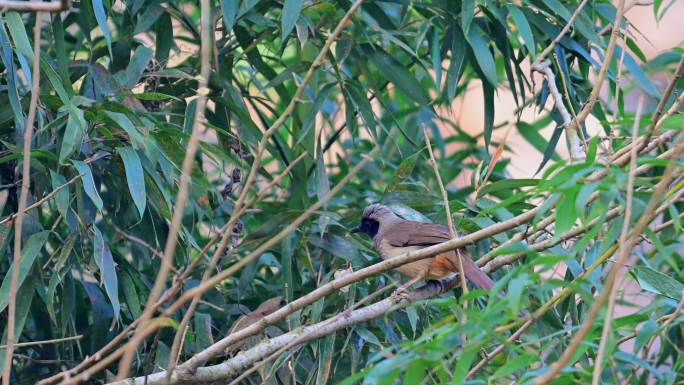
[[62, 196], [88, 183], [488, 95], [105, 262], [291, 11], [29, 253], [483, 55], [639, 75], [659, 283], [558, 8], [361, 103], [468, 354], [134, 176], [566, 212], [24, 300], [73, 135], [507, 184], [399, 76], [11, 79], [515, 290], [17, 29], [141, 57], [229, 10], [325, 358], [523, 28], [203, 337], [124, 122], [550, 150], [322, 183], [130, 295], [436, 53], [635, 48], [514, 364], [457, 62], [404, 171], [467, 14], [101, 18]]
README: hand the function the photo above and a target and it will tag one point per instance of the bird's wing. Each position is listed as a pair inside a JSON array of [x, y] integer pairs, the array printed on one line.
[[410, 233]]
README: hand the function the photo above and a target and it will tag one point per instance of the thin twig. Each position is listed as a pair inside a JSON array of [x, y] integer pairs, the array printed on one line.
[[44, 342], [141, 242], [562, 33], [447, 210], [23, 196], [607, 326], [574, 146], [43, 199], [608, 57], [633, 4], [183, 190]]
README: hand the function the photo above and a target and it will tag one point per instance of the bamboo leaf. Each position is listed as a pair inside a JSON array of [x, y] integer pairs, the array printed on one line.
[[135, 177]]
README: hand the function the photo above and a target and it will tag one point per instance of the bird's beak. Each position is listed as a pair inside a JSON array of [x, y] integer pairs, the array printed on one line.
[[356, 229]]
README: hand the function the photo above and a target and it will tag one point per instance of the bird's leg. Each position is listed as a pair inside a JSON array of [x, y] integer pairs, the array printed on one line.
[[401, 292]]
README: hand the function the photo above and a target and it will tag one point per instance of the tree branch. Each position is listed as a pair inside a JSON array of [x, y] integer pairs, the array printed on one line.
[[21, 210], [607, 322]]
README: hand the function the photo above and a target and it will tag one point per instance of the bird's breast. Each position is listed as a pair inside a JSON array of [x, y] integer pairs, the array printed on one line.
[[410, 270], [388, 251]]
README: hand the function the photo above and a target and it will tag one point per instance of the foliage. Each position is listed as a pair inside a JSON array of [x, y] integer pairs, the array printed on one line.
[[117, 101]]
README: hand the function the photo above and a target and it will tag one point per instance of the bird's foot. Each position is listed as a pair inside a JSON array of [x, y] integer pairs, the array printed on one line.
[[400, 295], [436, 283]]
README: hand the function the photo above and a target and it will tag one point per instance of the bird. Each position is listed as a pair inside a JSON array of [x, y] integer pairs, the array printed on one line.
[[394, 236], [265, 308]]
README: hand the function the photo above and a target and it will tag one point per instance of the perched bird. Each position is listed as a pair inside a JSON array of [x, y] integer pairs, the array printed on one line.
[[267, 307], [394, 236]]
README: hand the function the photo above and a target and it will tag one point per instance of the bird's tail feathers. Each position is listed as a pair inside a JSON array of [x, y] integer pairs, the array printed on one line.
[[476, 275]]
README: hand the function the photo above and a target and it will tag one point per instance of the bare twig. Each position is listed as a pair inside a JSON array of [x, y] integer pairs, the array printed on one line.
[[633, 4], [233, 367], [608, 57], [450, 220], [562, 33], [141, 242], [598, 362], [43, 199], [574, 146], [23, 196], [44, 342]]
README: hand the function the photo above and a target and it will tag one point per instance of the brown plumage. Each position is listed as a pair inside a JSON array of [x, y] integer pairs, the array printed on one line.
[[267, 307], [394, 236]]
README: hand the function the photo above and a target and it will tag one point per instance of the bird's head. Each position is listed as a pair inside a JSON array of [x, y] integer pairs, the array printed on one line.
[[373, 216]]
